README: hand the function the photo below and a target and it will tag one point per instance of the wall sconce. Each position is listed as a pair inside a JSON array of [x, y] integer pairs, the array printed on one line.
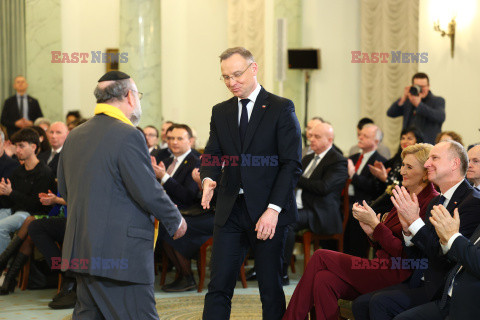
[[450, 33]]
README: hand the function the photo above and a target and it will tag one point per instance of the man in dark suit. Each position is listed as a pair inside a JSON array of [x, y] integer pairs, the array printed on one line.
[[175, 173], [446, 167], [106, 177], [422, 110], [20, 110], [459, 299], [255, 137], [319, 188], [56, 134], [364, 185]]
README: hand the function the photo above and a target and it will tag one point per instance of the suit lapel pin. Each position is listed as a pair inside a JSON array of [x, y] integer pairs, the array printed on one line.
[[264, 106], [185, 162]]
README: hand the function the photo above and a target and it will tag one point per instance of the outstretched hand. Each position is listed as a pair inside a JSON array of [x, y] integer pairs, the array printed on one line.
[[208, 187]]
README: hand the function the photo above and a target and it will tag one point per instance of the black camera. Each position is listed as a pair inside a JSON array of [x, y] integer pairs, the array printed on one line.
[[415, 90]]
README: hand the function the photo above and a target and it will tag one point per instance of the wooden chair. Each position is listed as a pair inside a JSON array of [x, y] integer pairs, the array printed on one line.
[[201, 267], [307, 237]]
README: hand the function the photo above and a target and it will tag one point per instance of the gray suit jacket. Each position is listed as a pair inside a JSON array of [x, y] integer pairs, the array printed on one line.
[[106, 177]]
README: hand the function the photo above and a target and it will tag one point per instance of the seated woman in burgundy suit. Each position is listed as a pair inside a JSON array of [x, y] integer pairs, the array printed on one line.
[[332, 275]]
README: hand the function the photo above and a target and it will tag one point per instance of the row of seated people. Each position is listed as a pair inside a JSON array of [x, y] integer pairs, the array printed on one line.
[[185, 190], [383, 289]]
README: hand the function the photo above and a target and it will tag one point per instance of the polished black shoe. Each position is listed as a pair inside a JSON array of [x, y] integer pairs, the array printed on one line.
[[66, 301], [68, 286], [251, 275], [181, 284]]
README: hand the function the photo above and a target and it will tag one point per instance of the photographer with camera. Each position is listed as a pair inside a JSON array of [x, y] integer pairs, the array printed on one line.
[[420, 108]]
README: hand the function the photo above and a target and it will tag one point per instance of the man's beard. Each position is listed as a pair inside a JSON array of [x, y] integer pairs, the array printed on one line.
[[136, 115]]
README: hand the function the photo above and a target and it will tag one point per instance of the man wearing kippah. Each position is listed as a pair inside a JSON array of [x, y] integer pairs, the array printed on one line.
[[106, 177]]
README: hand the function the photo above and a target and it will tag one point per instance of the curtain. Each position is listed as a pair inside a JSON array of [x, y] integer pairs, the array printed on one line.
[[12, 45], [246, 28], [386, 26]]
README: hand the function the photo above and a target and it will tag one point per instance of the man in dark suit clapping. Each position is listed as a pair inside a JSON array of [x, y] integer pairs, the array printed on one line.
[[255, 137]]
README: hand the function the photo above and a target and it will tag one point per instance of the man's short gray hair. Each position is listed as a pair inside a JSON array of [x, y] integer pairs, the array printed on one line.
[[378, 131], [115, 91], [40, 121], [458, 151], [237, 50]]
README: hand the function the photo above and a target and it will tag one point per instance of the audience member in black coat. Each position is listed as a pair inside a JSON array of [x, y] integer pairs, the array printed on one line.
[[364, 186]]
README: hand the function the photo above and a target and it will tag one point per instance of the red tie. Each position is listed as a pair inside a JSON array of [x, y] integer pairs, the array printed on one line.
[[359, 161]]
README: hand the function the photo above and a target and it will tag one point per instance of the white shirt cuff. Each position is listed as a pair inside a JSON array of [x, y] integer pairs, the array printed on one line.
[[274, 207], [446, 247], [408, 240], [415, 226], [206, 179], [166, 176]]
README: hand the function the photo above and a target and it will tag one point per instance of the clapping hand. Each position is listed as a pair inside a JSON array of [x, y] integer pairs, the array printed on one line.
[[159, 168], [407, 207], [48, 199], [379, 171], [367, 218], [5, 187], [445, 225]]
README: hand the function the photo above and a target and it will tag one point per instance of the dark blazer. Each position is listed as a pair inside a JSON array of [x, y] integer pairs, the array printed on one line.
[[43, 156], [428, 116], [106, 177], [11, 113], [181, 188], [367, 187], [161, 154], [467, 200], [466, 286], [267, 167], [7, 165], [321, 192]]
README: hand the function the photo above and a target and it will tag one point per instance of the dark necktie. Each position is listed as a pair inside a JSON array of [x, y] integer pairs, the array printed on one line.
[[242, 128], [21, 106], [441, 200]]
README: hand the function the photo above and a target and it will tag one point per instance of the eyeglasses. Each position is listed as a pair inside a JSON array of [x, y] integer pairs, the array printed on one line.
[[140, 94], [234, 76]]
